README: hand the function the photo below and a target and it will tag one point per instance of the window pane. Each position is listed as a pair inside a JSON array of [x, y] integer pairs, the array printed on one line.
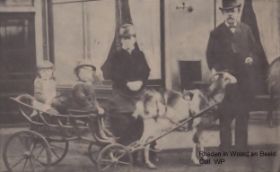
[[17, 44]]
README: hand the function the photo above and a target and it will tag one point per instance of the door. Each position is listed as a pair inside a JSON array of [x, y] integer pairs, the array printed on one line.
[[17, 61]]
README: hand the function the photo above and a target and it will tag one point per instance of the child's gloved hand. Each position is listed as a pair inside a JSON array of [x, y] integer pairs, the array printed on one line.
[[134, 85], [100, 110]]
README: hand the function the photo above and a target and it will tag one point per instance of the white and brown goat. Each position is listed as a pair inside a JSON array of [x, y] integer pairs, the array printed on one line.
[[162, 112]]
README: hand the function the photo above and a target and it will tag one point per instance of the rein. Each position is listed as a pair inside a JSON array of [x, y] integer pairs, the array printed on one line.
[[211, 100]]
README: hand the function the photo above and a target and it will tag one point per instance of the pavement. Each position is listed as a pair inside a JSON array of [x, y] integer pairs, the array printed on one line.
[[176, 152]]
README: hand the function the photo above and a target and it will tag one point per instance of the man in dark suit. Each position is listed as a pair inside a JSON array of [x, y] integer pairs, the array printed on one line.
[[232, 48]]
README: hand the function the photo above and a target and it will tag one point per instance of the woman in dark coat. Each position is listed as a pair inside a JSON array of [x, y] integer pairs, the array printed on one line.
[[130, 72]]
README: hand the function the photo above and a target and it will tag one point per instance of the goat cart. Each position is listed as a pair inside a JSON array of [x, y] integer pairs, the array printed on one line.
[[46, 142]]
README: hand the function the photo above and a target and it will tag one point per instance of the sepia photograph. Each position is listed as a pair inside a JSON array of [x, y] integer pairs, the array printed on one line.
[[139, 85]]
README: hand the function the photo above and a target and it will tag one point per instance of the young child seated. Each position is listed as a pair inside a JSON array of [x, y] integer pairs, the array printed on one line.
[[47, 101], [84, 95], [45, 88]]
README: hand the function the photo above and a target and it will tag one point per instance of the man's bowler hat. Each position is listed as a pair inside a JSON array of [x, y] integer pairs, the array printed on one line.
[[230, 4]]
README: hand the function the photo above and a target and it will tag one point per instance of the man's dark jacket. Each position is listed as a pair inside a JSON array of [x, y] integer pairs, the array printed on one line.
[[227, 51]]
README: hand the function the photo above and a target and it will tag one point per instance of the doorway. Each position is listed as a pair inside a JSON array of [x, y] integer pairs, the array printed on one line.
[[17, 61]]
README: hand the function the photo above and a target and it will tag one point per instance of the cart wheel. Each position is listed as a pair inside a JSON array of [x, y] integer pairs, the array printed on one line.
[[93, 151], [26, 151], [58, 148], [114, 157]]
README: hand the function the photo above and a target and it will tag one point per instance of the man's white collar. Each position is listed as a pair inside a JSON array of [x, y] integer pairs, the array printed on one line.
[[228, 25]]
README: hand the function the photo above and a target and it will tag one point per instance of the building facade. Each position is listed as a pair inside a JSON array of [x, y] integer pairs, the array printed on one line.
[[172, 33]]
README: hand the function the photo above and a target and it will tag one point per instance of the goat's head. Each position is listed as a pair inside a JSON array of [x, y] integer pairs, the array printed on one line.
[[196, 100], [153, 102], [219, 82]]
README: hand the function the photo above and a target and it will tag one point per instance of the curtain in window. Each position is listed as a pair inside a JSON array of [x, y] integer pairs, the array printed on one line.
[[101, 28], [122, 16], [267, 13], [81, 30], [145, 16]]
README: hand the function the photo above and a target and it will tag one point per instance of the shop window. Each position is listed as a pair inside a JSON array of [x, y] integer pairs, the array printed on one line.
[[17, 49]]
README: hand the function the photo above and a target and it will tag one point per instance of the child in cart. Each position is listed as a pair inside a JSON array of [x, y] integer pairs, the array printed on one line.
[[84, 96], [45, 90]]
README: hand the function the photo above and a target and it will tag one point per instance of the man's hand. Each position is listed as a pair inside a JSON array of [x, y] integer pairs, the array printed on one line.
[[100, 110], [134, 85], [249, 60]]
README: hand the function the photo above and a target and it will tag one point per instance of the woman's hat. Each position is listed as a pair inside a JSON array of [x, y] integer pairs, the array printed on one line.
[[83, 63], [127, 31], [45, 65], [230, 4]]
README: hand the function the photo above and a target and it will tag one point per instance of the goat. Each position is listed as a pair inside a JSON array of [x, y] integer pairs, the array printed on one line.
[[161, 112]]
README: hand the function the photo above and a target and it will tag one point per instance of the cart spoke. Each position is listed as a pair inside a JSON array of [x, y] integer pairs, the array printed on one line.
[[37, 157], [107, 166], [37, 160], [18, 162], [123, 163], [54, 152], [106, 160], [31, 164], [33, 146], [25, 162], [39, 154], [121, 155]]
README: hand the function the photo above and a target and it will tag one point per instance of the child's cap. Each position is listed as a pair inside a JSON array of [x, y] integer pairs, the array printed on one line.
[[45, 65], [127, 31], [84, 63]]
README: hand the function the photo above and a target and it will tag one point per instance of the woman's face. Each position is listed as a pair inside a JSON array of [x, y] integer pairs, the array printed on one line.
[[86, 73], [128, 43], [46, 73]]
